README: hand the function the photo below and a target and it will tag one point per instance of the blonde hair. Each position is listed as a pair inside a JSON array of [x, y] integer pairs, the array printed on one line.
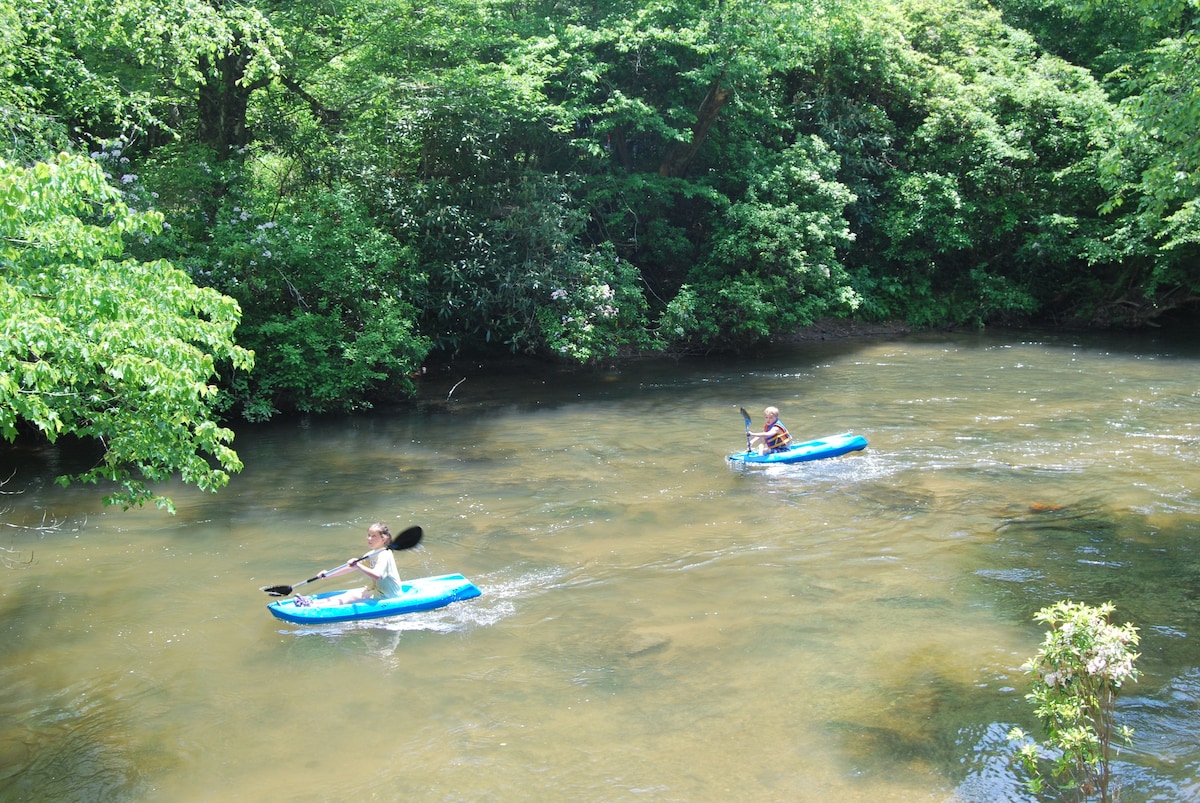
[[772, 411], [382, 529]]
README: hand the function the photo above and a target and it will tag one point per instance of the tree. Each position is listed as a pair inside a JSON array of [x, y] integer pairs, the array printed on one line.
[[1153, 171], [104, 347], [1144, 262], [27, 127], [330, 298], [973, 156], [507, 174], [774, 263]]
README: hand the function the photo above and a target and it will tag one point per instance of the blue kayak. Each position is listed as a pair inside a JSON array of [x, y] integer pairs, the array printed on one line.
[[423, 594], [833, 446]]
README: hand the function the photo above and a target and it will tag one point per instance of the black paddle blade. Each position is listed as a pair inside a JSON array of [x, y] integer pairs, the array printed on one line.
[[277, 591], [407, 539], [745, 415]]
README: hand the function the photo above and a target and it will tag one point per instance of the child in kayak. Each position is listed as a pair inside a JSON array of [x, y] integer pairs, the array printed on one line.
[[775, 436], [385, 577]]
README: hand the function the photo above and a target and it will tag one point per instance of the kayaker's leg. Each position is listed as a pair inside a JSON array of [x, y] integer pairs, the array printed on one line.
[[345, 598]]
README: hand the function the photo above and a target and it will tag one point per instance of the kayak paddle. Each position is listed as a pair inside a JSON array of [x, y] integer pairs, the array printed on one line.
[[405, 540], [746, 416]]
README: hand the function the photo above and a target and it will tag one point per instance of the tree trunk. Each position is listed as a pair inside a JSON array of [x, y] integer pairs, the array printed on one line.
[[223, 101], [679, 156]]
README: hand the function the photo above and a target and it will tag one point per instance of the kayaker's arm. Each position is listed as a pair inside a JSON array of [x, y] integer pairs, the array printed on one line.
[[367, 570], [350, 565], [339, 571], [762, 436]]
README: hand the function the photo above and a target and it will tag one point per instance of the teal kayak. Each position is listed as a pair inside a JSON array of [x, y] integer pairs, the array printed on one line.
[[423, 594], [833, 446]]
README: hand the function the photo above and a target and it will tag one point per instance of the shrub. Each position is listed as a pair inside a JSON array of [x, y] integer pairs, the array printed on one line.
[[1082, 664]]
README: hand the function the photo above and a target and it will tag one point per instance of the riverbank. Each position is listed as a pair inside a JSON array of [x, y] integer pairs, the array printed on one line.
[[824, 329], [843, 329]]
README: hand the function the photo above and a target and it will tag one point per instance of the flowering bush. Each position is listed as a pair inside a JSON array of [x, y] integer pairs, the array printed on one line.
[[775, 260], [328, 299], [1082, 664], [599, 311]]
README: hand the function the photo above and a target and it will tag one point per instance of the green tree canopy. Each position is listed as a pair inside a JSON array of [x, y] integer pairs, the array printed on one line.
[[105, 347], [390, 182]]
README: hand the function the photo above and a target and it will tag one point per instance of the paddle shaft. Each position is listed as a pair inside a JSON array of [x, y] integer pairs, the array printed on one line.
[[746, 418], [328, 572]]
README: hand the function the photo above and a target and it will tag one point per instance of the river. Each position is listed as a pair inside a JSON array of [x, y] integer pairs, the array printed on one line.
[[655, 625]]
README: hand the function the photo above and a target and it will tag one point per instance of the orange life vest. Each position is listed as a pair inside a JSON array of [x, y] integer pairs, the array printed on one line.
[[779, 442]]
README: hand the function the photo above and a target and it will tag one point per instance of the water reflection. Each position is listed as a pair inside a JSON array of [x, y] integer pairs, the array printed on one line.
[[654, 624]]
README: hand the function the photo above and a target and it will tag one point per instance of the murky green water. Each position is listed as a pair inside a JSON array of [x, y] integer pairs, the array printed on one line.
[[654, 625]]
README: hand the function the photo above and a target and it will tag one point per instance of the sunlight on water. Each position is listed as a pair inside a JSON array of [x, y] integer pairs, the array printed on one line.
[[655, 623]]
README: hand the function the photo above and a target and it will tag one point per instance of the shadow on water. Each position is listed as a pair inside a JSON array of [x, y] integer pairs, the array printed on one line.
[[1097, 554], [1088, 552], [1048, 551]]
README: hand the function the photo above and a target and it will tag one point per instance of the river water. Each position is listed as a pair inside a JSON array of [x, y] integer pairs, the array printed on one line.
[[654, 624]]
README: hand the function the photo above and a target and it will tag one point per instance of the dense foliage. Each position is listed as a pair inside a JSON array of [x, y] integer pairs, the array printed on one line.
[[103, 347], [384, 184]]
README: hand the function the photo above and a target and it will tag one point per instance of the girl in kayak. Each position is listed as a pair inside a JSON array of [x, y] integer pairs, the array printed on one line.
[[385, 577], [775, 436]]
